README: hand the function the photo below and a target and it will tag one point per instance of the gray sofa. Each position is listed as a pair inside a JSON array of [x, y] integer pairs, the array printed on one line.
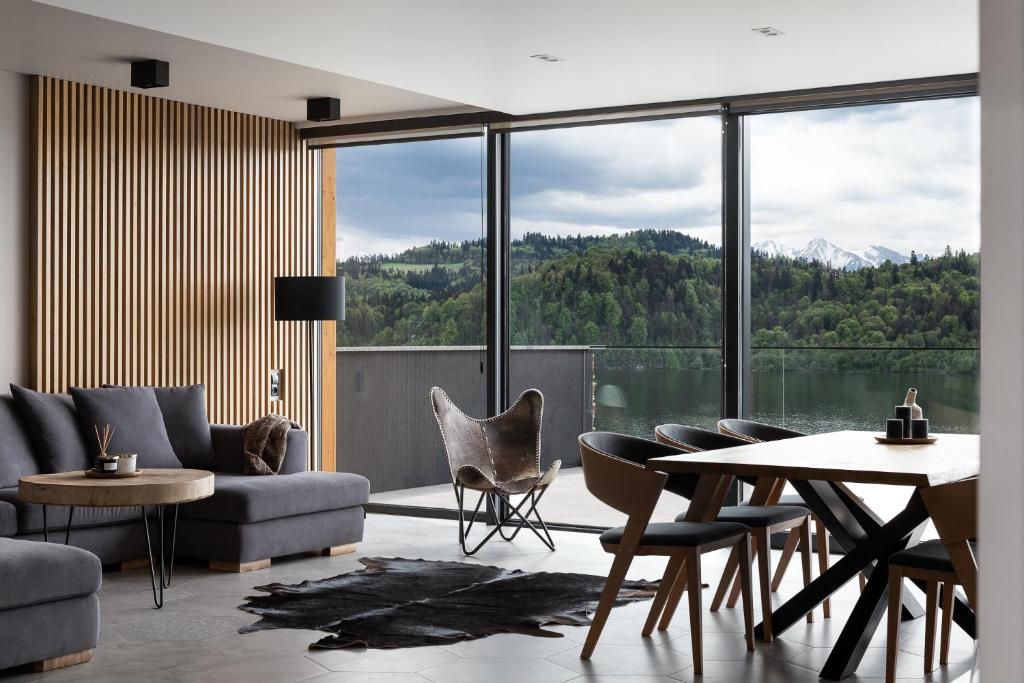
[[248, 520], [54, 622]]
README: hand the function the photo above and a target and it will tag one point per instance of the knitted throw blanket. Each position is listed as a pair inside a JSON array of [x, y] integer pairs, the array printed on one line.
[[265, 443]]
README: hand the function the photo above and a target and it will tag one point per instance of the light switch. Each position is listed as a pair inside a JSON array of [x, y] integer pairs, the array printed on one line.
[[275, 385]]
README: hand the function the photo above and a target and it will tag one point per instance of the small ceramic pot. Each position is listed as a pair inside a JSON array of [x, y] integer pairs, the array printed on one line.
[[126, 462], [919, 429], [903, 413], [894, 428]]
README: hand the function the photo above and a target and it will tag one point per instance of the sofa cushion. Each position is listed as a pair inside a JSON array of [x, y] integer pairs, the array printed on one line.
[[16, 456], [136, 417], [8, 519], [241, 499], [30, 515], [44, 572], [188, 427], [52, 424]]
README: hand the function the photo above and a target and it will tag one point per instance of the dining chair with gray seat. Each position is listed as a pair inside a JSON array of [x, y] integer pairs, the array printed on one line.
[[614, 472], [942, 564], [757, 432], [762, 519]]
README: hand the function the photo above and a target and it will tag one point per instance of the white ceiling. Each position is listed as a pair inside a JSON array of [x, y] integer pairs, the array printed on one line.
[[477, 52], [39, 39]]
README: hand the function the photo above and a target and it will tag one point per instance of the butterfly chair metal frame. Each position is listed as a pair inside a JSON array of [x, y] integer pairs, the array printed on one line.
[[499, 457], [633, 490]]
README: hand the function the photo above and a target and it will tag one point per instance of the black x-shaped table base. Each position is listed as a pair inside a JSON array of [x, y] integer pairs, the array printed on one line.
[[868, 544]]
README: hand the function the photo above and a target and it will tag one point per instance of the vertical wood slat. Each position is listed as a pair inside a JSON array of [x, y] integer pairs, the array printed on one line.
[[158, 228]]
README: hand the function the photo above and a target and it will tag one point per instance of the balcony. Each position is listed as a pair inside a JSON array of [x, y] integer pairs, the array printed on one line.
[[387, 431]]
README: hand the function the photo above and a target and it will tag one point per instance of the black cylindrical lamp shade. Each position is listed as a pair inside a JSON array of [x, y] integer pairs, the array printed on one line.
[[309, 298]]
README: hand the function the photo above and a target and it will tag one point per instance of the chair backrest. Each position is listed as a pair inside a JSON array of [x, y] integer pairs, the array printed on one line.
[[755, 431], [639, 451], [954, 511], [505, 447], [616, 481], [695, 440]]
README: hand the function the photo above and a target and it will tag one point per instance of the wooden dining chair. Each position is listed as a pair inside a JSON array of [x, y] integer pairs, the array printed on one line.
[[763, 520], [757, 432], [943, 564], [612, 475]]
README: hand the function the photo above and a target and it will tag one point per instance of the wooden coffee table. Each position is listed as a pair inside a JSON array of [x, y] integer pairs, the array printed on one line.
[[156, 488]]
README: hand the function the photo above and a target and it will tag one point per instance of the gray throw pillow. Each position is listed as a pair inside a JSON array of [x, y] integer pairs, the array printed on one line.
[[188, 427], [53, 428], [136, 417]]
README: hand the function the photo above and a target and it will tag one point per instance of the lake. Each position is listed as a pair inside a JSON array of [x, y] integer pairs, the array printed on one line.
[[805, 401]]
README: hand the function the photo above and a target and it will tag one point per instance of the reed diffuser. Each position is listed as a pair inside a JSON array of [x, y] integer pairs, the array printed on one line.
[[105, 462]]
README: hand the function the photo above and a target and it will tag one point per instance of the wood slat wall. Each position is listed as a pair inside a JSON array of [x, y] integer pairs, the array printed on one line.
[[158, 228]]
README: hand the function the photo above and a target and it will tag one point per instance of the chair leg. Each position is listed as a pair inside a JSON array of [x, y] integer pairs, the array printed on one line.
[[948, 592], [821, 536], [725, 582], [611, 591], [892, 645], [804, 531], [787, 554], [696, 623], [862, 581], [760, 536], [746, 589], [674, 597], [931, 607], [667, 582], [734, 595]]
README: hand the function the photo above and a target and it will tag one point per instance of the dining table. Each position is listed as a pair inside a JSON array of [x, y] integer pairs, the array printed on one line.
[[821, 467]]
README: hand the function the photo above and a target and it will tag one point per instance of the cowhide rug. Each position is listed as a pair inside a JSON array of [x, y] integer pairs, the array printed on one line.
[[396, 602]]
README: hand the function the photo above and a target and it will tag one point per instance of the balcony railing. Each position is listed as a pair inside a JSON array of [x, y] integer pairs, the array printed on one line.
[[387, 431]]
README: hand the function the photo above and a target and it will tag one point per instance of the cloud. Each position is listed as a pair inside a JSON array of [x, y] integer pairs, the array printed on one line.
[[904, 176]]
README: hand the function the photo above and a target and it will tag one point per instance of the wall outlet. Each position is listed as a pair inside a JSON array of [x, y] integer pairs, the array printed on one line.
[[275, 385]]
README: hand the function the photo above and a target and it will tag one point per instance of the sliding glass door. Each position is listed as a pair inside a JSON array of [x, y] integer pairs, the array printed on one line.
[[615, 286], [411, 248], [864, 266]]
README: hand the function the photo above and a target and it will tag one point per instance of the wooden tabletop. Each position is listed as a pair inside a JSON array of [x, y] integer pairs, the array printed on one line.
[[846, 456], [151, 487]]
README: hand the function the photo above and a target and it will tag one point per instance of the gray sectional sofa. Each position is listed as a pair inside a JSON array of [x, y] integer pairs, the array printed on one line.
[[248, 521]]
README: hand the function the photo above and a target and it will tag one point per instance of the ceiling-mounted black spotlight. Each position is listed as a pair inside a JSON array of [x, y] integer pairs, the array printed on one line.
[[323, 109], [151, 73]]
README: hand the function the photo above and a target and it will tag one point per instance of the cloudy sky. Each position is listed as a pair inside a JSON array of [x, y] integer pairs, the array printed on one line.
[[902, 176]]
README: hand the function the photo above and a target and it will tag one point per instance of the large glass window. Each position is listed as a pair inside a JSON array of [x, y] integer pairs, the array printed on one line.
[[865, 237], [411, 247], [615, 290]]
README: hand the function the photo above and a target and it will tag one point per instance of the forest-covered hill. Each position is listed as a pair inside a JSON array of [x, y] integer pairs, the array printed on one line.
[[663, 289]]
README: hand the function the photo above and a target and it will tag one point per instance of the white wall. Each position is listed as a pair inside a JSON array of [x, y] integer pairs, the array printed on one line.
[[1002, 340], [14, 227]]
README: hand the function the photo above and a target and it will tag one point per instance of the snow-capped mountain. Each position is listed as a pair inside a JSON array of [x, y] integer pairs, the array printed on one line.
[[823, 251]]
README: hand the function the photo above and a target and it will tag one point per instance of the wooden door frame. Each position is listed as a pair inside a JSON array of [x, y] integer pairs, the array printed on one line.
[[328, 335]]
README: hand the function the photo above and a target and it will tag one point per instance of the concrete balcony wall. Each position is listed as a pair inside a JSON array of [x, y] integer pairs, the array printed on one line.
[[386, 428]]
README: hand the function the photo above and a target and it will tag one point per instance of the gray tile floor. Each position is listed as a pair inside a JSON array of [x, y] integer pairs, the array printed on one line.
[[195, 637]]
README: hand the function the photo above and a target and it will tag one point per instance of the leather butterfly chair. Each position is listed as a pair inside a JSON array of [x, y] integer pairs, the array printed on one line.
[[763, 520], [948, 560], [500, 458], [756, 432], [614, 473]]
